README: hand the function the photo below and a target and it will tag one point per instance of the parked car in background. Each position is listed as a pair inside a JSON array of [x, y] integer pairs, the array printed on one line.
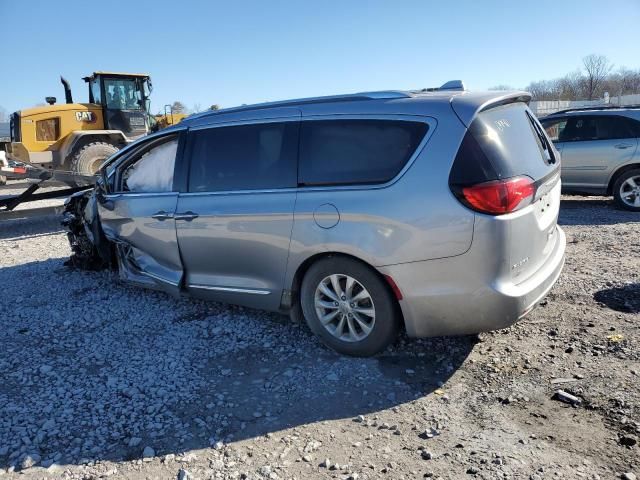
[[435, 211], [600, 154]]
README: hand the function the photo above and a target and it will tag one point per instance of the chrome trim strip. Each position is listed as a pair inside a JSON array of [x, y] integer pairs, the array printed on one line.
[[159, 278], [590, 167], [120, 195], [232, 289]]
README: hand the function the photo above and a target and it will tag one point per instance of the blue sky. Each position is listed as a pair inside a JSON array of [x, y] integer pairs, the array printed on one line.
[[234, 52]]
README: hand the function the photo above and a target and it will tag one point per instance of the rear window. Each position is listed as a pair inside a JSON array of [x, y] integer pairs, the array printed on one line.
[[503, 142], [342, 152], [246, 157]]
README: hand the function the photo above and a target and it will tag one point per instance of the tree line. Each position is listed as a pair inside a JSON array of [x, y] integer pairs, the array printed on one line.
[[590, 82]]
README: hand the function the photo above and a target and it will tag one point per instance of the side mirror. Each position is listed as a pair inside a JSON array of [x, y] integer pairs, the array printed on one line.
[[50, 100]]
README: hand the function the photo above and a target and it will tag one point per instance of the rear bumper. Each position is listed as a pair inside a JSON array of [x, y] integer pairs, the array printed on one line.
[[450, 297]]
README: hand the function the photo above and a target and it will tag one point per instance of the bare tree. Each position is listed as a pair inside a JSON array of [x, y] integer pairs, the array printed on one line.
[[196, 108], [597, 68], [502, 87], [544, 89], [178, 107], [624, 81], [570, 87]]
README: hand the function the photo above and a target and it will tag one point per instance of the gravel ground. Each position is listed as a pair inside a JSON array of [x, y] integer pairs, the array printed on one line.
[[100, 379]]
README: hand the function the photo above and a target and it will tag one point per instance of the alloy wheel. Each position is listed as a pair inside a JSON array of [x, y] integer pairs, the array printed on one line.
[[630, 191], [345, 307]]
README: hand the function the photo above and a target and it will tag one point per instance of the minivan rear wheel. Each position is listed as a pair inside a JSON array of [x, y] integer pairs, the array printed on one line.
[[626, 190], [349, 307]]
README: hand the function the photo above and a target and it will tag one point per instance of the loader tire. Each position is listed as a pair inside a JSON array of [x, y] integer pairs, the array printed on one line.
[[87, 160]]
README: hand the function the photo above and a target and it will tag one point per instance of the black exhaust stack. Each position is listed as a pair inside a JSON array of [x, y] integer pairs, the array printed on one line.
[[67, 90]]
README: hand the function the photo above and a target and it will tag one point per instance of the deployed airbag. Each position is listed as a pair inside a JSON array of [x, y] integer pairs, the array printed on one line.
[[154, 171]]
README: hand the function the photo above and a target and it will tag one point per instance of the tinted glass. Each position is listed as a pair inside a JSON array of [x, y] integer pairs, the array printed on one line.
[[246, 157], [555, 129], [339, 152], [503, 142], [585, 128], [635, 126]]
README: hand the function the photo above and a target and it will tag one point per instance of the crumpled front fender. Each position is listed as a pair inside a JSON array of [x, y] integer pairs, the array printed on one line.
[[91, 250]]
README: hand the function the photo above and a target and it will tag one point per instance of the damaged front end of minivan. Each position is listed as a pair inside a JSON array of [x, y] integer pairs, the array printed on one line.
[[90, 249]]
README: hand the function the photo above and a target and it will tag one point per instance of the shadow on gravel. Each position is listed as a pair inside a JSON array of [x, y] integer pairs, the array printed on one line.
[[578, 210], [104, 370], [622, 299]]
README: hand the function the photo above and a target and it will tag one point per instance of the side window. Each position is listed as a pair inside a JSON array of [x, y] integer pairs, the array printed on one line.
[[244, 157], [95, 90], [635, 126], [341, 152], [151, 171], [585, 128], [556, 129], [613, 127]]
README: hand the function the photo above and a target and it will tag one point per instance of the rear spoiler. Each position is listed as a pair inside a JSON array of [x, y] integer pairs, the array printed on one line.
[[467, 105]]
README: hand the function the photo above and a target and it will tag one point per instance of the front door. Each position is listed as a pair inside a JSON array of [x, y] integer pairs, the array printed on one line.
[[593, 148], [139, 216], [234, 223]]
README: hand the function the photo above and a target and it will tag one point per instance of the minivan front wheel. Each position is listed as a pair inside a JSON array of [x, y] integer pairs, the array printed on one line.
[[626, 190], [349, 307]]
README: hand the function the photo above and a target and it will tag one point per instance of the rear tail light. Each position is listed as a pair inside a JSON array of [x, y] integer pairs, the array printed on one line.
[[498, 197]]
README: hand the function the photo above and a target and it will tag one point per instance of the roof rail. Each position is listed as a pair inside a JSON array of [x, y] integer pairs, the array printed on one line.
[[595, 107], [381, 95]]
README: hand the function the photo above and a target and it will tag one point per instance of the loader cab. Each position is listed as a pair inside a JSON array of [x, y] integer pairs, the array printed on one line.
[[124, 98]]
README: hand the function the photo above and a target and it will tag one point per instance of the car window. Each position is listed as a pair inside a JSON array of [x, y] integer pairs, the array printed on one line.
[[152, 170], [586, 128], [339, 152], [555, 129], [635, 126], [245, 157]]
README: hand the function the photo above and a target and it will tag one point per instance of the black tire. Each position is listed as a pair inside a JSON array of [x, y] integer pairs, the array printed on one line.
[[387, 317], [87, 159], [617, 195]]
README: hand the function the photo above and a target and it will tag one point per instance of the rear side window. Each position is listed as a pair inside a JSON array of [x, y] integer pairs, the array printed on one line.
[[635, 127], [586, 128], [342, 152], [245, 157], [501, 143]]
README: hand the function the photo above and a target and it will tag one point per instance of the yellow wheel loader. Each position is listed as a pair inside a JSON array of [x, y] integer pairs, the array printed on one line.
[[77, 137]]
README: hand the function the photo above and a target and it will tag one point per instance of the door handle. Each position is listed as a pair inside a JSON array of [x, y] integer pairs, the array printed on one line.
[[622, 146], [188, 216], [162, 215]]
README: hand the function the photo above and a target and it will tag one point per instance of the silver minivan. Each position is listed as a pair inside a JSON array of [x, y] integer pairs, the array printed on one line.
[[600, 153], [433, 211]]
